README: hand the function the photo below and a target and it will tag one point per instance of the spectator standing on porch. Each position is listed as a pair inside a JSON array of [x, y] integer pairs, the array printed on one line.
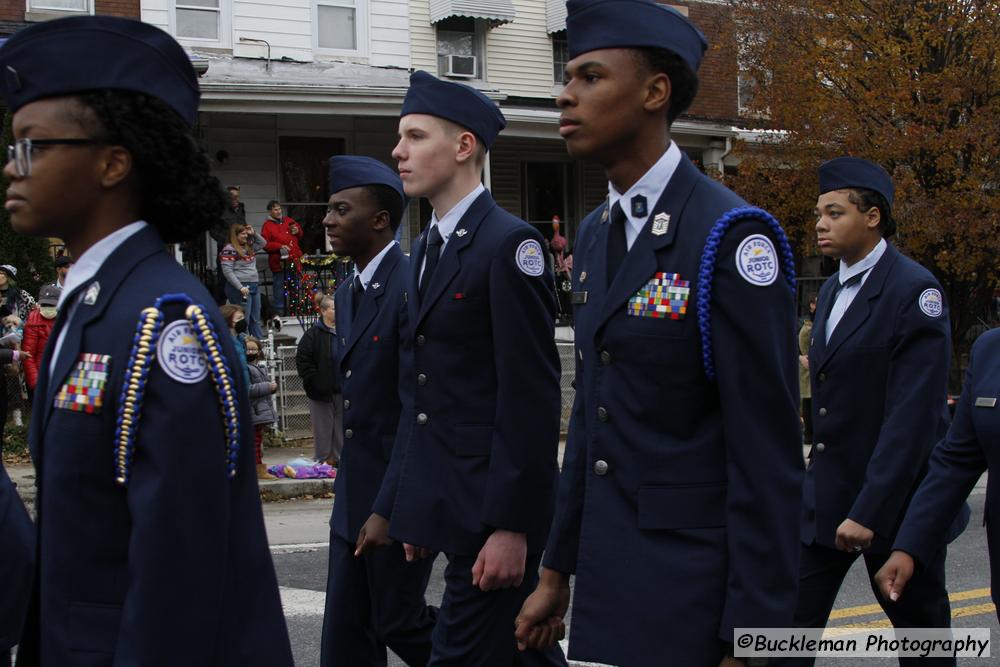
[[62, 264], [235, 211], [238, 260], [317, 361], [281, 235]]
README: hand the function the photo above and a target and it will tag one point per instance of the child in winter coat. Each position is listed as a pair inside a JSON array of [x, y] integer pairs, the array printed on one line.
[[261, 408]]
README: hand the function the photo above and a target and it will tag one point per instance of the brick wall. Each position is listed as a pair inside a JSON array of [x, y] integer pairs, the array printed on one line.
[[129, 8], [717, 94], [11, 10]]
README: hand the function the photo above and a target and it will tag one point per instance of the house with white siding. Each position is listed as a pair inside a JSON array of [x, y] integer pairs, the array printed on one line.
[[287, 83]]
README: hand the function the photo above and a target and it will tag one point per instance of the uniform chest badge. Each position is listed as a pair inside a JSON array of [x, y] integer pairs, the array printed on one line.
[[376, 285], [84, 388], [665, 296], [180, 353], [661, 224], [986, 402], [461, 232], [90, 298]]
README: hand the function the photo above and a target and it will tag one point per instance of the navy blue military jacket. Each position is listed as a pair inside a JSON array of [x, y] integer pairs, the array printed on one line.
[[174, 568], [17, 550], [971, 447], [879, 400], [479, 450], [370, 368], [679, 495]]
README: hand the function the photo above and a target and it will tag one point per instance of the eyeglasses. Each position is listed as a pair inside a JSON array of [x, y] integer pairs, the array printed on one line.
[[22, 150]]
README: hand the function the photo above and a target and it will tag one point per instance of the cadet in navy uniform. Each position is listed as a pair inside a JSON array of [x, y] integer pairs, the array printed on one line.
[[374, 597], [878, 365], [17, 537], [680, 483], [956, 464], [151, 547], [474, 470]]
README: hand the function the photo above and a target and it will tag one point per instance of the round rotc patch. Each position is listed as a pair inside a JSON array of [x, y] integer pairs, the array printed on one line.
[[529, 258], [931, 302], [757, 260], [180, 354]]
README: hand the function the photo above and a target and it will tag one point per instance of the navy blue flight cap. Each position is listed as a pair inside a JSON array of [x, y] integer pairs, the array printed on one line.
[[843, 173], [632, 24], [88, 53], [456, 102], [352, 171]]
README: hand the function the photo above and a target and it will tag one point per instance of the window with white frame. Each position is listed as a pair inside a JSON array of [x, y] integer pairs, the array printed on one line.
[[199, 19], [82, 6], [560, 57], [460, 45], [338, 24]]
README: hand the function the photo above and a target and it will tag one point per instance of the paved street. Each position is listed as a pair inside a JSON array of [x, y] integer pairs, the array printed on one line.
[[298, 530]]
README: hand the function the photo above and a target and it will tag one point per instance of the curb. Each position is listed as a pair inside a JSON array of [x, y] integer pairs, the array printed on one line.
[[270, 490], [289, 489]]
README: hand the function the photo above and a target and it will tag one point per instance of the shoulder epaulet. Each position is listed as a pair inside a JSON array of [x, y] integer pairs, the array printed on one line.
[[706, 270], [144, 345]]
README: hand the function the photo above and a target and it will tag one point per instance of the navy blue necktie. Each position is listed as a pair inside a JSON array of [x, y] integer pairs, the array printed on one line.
[[431, 257], [617, 244], [359, 292]]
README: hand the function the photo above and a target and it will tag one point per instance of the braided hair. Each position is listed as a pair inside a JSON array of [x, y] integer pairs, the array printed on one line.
[[177, 193]]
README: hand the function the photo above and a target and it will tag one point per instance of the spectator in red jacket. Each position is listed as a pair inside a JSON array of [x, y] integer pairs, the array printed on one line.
[[36, 331], [281, 235]]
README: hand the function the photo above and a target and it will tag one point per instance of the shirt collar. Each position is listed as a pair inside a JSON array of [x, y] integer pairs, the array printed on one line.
[[369, 272], [91, 261], [651, 186], [447, 224], [870, 260]]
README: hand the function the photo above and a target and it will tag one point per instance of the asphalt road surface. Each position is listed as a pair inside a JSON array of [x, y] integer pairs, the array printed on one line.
[[298, 531]]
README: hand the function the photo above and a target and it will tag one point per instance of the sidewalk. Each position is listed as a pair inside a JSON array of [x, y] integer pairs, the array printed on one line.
[[270, 490], [287, 489]]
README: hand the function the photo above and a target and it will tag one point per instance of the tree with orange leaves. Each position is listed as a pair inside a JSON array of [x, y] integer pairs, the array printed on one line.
[[914, 86]]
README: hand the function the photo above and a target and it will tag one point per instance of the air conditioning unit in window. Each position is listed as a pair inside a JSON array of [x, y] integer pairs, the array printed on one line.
[[461, 66]]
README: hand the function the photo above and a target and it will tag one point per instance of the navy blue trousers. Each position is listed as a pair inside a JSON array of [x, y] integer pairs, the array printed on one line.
[[476, 629], [374, 602], [924, 603]]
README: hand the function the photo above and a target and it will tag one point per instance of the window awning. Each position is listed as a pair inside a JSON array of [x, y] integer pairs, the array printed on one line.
[[555, 15], [495, 12]]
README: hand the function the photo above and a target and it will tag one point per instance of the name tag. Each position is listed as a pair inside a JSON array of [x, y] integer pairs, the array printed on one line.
[[986, 402], [579, 298]]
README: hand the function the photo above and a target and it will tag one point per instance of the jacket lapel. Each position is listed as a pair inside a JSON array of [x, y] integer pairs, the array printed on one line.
[[860, 308], [450, 262], [413, 288], [827, 296], [369, 306], [109, 277], [641, 263]]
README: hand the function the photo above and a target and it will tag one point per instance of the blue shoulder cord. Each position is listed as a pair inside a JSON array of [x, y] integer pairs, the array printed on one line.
[[140, 362], [706, 271]]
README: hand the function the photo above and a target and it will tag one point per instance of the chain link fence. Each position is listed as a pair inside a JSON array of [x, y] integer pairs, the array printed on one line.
[[293, 405], [568, 366]]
